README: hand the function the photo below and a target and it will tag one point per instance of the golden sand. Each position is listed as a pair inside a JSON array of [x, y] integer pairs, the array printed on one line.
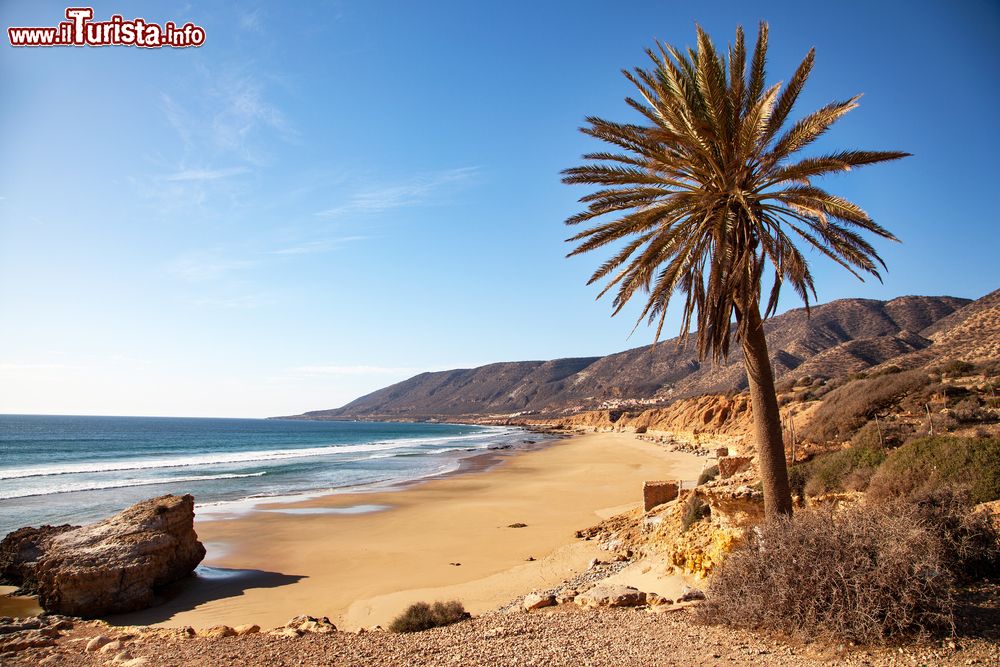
[[443, 539]]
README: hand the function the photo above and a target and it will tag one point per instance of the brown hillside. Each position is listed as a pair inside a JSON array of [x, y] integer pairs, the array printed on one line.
[[839, 337]]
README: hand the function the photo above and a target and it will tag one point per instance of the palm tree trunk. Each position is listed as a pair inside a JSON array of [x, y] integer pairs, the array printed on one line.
[[766, 419]]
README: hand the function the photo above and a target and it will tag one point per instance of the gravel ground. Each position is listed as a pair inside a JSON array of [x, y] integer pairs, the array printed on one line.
[[565, 635]]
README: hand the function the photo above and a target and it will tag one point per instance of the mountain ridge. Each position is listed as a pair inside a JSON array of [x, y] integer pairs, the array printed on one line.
[[840, 337]]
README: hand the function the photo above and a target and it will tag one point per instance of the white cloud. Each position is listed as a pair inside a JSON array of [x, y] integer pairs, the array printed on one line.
[[416, 191]]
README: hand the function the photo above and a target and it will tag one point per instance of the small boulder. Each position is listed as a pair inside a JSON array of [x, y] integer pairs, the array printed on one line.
[[217, 631], [249, 629], [536, 601], [96, 643], [605, 595], [286, 632], [566, 596], [691, 594], [311, 624], [656, 600], [112, 647]]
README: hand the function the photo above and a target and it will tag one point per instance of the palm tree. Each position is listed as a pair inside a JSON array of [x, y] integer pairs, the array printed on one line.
[[707, 194]]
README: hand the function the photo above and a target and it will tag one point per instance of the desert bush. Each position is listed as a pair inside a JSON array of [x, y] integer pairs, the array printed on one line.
[[956, 368], [926, 464], [968, 410], [708, 474], [888, 370], [695, 509], [870, 435], [865, 574], [784, 385], [848, 407], [847, 470], [422, 616], [970, 541]]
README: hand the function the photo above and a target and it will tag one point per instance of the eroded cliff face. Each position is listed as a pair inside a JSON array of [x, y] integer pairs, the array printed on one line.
[[712, 420]]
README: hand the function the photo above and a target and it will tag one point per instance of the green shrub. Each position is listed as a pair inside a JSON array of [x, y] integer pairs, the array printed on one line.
[[847, 408], [846, 470], [422, 616], [864, 574], [708, 474], [926, 464]]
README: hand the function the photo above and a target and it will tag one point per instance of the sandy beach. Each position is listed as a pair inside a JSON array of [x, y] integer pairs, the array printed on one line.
[[443, 539]]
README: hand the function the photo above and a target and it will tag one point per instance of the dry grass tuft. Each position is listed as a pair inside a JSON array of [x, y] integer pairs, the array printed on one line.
[[422, 616]]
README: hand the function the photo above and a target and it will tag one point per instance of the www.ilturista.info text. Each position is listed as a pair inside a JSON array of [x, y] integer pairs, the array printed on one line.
[[81, 30]]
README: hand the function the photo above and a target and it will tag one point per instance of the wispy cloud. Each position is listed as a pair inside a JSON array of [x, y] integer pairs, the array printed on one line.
[[243, 111], [416, 191], [200, 266], [354, 370], [251, 21], [317, 246], [205, 174]]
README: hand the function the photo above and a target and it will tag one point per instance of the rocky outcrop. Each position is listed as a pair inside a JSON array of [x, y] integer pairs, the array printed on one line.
[[113, 566], [707, 420], [20, 552], [304, 625]]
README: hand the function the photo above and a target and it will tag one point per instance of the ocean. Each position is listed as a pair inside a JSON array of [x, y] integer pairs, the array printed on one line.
[[64, 469]]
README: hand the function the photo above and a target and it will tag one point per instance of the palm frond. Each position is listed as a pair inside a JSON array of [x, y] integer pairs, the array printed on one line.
[[703, 195]]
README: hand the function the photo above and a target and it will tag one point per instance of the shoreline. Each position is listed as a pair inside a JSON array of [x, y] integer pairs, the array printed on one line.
[[444, 537]]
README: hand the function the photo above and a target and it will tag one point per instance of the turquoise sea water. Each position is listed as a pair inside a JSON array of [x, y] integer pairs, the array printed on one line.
[[62, 469]]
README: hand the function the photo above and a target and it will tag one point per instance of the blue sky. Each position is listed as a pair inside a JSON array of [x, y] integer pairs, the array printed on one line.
[[329, 197]]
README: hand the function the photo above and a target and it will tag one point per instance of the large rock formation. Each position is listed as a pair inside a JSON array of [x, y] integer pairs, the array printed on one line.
[[113, 566], [20, 552]]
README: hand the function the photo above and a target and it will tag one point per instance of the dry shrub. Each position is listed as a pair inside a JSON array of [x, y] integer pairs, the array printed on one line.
[[969, 410], [925, 465], [847, 408], [422, 616], [865, 574]]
